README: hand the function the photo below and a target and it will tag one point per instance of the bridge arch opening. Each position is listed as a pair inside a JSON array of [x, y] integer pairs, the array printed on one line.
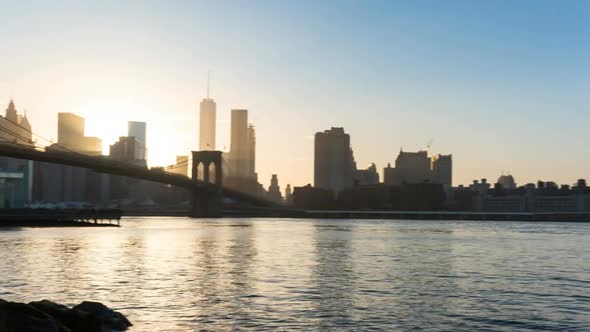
[[201, 171], [212, 171]]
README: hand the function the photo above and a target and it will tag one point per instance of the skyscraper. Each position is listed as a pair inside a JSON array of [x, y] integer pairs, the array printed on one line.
[[70, 127], [251, 170], [239, 146], [274, 191], [240, 173], [138, 130], [333, 161], [127, 149], [70, 135], [207, 124], [442, 169]]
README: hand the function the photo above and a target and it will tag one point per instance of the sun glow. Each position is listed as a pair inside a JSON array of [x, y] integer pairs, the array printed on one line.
[[107, 119]]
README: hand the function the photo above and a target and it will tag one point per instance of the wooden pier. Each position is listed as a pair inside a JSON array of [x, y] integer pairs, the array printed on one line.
[[59, 217]]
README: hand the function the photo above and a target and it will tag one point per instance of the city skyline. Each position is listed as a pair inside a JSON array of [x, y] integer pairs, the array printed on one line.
[[522, 87]]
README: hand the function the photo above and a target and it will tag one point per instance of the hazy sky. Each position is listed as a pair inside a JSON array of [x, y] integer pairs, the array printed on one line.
[[502, 85]]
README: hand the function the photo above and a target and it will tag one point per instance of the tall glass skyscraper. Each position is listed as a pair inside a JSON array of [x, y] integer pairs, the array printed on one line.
[[138, 130]]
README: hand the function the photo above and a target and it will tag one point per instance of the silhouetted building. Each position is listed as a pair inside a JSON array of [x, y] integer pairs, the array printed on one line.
[[333, 161], [129, 150], [480, 187], [365, 197], [16, 175], [240, 172], [61, 183], [418, 197], [70, 135], [251, 163], [369, 176], [312, 198], [547, 196], [288, 195], [507, 182], [274, 191], [207, 115], [56, 183], [410, 167], [417, 167], [181, 166], [138, 130], [442, 170], [15, 128], [239, 152]]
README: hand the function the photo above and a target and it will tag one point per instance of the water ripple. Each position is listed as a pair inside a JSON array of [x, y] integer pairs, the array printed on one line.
[[177, 274]]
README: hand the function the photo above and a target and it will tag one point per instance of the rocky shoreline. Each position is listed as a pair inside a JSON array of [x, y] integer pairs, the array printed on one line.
[[47, 316]]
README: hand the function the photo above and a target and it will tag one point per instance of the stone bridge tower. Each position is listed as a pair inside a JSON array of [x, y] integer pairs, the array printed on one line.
[[206, 203]]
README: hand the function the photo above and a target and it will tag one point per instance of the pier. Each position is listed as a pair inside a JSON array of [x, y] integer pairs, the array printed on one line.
[[60, 217]]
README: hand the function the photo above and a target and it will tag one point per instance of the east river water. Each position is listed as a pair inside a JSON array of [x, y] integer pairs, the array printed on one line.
[[178, 274]]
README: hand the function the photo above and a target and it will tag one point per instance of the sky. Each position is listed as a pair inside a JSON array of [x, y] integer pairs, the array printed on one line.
[[503, 86]]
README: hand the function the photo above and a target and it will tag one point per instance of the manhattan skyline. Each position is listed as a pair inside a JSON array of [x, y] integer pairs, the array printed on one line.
[[497, 86]]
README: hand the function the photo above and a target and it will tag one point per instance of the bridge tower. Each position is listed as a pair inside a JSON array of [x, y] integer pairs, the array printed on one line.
[[207, 203]]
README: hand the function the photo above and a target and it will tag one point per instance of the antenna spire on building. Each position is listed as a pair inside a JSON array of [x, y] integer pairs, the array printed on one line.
[[208, 82]]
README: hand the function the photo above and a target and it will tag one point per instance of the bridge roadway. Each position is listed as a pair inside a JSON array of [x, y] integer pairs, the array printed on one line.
[[106, 165]]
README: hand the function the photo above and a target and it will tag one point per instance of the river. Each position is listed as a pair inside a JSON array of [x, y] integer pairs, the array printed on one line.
[[180, 274]]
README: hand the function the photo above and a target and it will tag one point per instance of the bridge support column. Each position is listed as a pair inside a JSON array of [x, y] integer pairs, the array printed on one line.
[[207, 203]]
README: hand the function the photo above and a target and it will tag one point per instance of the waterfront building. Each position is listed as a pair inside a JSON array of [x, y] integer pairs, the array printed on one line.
[[16, 175], [308, 197], [507, 182], [15, 128], [61, 183], [333, 160], [528, 198], [138, 130]]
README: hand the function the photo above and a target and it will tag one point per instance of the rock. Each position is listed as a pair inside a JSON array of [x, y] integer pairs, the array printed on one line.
[[21, 317], [73, 319], [109, 318], [47, 316]]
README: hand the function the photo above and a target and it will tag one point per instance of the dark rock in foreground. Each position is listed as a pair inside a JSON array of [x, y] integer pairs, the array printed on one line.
[[49, 316]]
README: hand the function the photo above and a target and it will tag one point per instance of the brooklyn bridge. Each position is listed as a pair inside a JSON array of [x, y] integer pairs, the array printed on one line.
[[207, 191]]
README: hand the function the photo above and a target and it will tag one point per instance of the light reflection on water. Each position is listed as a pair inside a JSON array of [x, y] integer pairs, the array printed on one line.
[[182, 274]]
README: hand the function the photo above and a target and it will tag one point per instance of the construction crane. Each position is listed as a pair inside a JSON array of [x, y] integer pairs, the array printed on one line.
[[429, 144]]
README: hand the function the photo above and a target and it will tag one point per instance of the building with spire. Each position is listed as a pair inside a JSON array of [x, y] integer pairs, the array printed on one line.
[[16, 175], [15, 128]]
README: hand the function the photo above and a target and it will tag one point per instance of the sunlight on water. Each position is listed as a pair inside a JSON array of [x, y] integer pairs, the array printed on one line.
[[183, 274]]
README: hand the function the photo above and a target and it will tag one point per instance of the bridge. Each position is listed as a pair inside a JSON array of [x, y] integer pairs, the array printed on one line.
[[207, 194]]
